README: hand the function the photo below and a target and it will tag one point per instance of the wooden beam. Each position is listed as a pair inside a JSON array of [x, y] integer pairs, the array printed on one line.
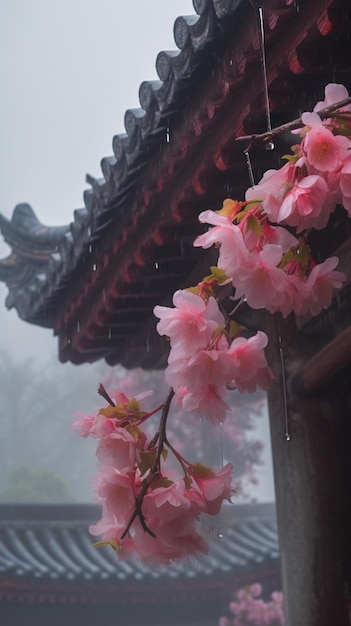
[[328, 361]]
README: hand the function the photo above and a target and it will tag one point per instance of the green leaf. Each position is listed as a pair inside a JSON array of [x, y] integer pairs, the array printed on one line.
[[202, 471], [114, 412], [188, 482], [254, 224], [148, 459], [133, 430], [161, 481], [113, 543]]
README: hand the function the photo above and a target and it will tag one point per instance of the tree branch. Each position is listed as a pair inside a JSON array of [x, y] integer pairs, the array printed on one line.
[[269, 135], [161, 439]]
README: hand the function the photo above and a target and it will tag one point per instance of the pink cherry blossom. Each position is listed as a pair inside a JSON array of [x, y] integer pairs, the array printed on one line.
[[321, 285], [307, 204], [205, 367], [166, 503], [249, 364], [118, 449], [334, 93], [208, 402], [214, 486], [324, 151], [261, 282], [233, 252], [116, 492], [84, 424], [175, 540], [190, 324], [272, 188]]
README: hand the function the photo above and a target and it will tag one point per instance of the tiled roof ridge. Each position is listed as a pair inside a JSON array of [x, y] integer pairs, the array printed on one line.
[[37, 551], [61, 512]]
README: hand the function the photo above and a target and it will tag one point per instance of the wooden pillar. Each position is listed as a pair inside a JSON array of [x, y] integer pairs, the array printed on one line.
[[312, 491]]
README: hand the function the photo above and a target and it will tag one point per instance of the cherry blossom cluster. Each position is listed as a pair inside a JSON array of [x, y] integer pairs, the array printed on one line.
[[249, 609], [264, 254], [262, 241], [205, 359], [148, 508]]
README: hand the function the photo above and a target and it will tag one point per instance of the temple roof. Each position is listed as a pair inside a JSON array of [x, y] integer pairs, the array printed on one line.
[[47, 549], [96, 280]]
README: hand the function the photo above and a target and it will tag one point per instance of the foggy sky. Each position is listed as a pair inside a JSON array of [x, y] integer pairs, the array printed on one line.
[[69, 70]]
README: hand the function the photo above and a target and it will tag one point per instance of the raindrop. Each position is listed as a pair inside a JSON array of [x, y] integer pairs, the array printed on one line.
[[90, 248], [287, 435], [147, 344], [231, 62], [168, 136], [264, 67], [220, 535], [249, 168], [94, 267], [78, 327], [221, 443], [104, 295], [68, 341], [269, 145], [109, 333], [156, 265]]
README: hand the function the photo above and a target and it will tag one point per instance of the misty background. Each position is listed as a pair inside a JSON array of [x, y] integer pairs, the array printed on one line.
[[69, 71]]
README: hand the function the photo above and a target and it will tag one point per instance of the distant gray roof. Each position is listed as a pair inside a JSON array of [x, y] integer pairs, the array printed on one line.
[[50, 546]]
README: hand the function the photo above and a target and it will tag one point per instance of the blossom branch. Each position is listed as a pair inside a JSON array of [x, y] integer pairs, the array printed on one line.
[[293, 125], [102, 392], [161, 439]]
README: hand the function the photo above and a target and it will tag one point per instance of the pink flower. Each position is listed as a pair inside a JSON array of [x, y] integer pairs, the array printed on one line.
[[308, 204], [116, 492], [272, 188], [190, 324], [214, 486], [233, 252], [334, 93], [118, 449], [207, 402], [175, 540], [249, 364], [84, 425], [321, 285], [261, 281], [324, 151], [205, 367], [163, 504]]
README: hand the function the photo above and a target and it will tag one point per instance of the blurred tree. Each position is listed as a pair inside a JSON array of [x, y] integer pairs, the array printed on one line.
[[28, 484]]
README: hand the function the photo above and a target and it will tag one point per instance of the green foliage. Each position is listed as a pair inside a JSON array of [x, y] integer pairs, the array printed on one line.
[[40, 485]]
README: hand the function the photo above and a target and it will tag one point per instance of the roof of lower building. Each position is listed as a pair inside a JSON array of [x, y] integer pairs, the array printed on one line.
[[47, 549]]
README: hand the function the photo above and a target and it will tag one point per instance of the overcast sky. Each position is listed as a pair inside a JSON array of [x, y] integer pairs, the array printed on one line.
[[69, 70]]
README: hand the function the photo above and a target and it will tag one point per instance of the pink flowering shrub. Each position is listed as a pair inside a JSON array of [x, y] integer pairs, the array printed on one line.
[[148, 507], [249, 609]]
